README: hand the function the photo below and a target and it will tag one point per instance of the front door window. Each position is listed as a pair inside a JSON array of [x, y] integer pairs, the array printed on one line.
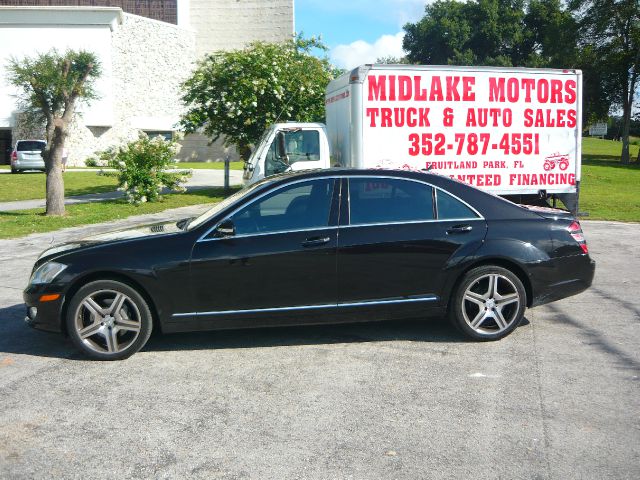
[[300, 206]]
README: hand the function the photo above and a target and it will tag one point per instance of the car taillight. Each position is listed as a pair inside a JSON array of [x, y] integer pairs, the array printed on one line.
[[14, 156], [575, 230]]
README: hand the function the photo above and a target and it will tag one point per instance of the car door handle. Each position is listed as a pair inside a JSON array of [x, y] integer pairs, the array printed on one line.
[[459, 229], [315, 241]]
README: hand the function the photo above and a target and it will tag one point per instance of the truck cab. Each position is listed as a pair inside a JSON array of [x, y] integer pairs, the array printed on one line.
[[286, 147]]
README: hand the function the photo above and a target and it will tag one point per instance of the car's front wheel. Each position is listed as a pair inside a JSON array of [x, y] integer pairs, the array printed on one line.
[[488, 303], [108, 320]]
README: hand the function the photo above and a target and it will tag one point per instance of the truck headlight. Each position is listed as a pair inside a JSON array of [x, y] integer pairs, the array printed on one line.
[[46, 273]]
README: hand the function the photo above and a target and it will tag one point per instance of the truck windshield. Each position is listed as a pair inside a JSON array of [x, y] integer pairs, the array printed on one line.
[[300, 146]]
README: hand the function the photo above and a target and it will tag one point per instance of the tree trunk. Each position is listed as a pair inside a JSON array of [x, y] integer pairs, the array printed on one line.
[[627, 107], [55, 182], [55, 190], [626, 124]]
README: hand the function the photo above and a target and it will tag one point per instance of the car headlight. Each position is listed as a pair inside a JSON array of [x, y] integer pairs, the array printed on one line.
[[46, 273]]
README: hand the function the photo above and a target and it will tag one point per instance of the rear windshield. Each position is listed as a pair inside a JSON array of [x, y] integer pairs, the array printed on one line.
[[29, 145]]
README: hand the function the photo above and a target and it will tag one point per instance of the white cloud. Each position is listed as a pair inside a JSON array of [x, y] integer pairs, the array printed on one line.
[[361, 52]]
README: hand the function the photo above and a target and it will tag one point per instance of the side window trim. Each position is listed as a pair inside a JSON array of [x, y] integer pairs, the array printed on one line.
[[478, 217], [434, 193], [332, 224]]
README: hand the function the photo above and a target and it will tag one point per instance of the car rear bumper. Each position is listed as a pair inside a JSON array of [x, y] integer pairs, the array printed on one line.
[[28, 164], [563, 277], [43, 315]]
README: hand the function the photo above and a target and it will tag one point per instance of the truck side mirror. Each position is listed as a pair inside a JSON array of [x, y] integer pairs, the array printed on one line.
[[226, 229], [282, 148]]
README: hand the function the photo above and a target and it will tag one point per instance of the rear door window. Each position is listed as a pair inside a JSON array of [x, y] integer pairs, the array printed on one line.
[[389, 200], [450, 208]]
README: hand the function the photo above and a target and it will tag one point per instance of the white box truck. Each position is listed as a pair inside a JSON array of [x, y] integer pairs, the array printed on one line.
[[515, 132]]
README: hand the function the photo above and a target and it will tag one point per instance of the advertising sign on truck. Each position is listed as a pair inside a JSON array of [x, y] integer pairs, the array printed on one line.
[[510, 131]]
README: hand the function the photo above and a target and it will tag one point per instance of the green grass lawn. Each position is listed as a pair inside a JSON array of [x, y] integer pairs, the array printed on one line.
[[195, 165], [23, 222], [609, 190], [27, 186]]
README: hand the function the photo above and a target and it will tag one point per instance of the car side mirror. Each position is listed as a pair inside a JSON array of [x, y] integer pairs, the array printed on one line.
[[226, 229]]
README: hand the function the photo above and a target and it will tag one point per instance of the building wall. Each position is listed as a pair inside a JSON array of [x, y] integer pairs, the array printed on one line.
[[147, 81], [163, 10], [144, 62], [230, 24]]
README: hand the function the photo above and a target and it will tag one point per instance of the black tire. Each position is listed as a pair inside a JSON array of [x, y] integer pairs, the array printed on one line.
[[104, 331], [480, 314], [14, 170]]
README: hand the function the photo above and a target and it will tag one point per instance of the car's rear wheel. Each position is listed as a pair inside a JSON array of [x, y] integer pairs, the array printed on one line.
[[14, 170], [108, 320], [489, 303]]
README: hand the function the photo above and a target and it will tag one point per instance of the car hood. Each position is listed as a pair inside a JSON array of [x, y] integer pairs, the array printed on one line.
[[141, 231]]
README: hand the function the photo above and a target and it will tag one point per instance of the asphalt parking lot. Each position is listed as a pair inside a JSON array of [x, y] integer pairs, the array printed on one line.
[[559, 398]]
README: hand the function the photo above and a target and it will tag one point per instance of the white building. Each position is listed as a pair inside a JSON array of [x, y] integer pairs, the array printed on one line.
[[143, 61]]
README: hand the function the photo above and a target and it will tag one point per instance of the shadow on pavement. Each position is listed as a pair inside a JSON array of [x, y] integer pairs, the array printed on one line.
[[420, 330], [595, 338], [17, 337]]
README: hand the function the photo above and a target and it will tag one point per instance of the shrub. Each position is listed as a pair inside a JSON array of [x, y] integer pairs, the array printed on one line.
[[142, 168]]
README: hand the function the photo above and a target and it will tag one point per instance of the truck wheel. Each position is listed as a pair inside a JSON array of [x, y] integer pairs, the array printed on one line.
[[108, 320], [488, 303]]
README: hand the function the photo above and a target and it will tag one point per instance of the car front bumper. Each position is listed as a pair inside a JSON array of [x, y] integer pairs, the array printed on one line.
[[43, 315]]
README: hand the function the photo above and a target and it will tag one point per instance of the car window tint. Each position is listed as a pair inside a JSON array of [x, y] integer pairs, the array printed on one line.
[[385, 200], [296, 207], [28, 146], [450, 208]]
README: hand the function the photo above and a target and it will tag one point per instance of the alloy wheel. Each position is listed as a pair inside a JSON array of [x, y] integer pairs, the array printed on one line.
[[107, 321], [490, 304]]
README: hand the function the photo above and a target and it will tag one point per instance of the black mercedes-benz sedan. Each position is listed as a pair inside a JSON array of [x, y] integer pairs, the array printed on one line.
[[313, 247]]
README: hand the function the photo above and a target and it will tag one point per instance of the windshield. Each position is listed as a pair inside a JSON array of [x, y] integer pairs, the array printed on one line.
[[218, 207]]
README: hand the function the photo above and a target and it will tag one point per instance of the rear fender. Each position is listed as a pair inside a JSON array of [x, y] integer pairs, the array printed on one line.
[[524, 257]]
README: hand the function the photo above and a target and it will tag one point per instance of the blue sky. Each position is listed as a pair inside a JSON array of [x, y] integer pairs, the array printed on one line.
[[357, 31]]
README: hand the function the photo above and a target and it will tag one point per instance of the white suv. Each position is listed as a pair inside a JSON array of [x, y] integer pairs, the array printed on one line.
[[27, 155]]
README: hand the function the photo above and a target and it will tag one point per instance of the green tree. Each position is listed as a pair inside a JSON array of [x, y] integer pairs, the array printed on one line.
[[391, 60], [610, 30], [238, 94], [51, 85], [538, 33]]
